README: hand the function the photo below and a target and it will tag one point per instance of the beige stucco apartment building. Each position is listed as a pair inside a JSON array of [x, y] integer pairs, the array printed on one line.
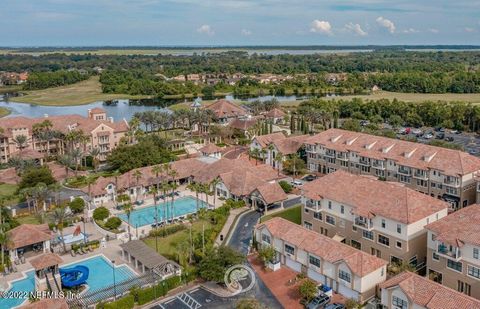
[[440, 172], [103, 133], [381, 218], [411, 291], [348, 271], [454, 251]]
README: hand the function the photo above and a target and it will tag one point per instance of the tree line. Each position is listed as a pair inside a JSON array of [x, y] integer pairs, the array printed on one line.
[[43, 80]]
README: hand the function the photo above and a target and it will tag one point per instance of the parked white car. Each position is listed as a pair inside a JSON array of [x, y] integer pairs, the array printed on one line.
[[297, 182], [428, 136]]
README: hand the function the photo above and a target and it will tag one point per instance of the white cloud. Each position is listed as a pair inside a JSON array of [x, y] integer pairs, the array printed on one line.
[[468, 29], [356, 28], [386, 23], [246, 32], [206, 29], [433, 30], [321, 26], [410, 30]]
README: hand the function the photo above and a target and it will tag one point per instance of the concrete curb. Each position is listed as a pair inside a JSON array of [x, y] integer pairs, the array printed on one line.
[[226, 240]]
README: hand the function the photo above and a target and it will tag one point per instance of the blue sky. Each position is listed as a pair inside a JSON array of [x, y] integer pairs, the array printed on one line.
[[238, 22]]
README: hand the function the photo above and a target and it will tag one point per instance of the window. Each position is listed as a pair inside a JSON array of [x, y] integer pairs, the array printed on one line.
[[289, 249], [474, 271], [307, 225], [344, 276], [398, 244], [330, 219], [317, 215], [435, 256], [457, 266], [266, 238], [384, 240], [342, 209], [356, 244], [329, 205], [354, 228], [383, 223], [306, 210], [367, 234], [463, 287], [399, 303], [399, 228], [475, 253], [314, 261]]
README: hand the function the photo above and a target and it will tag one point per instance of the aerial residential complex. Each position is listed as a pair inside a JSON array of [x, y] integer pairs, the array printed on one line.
[[454, 251], [350, 272], [102, 132], [442, 173], [384, 219]]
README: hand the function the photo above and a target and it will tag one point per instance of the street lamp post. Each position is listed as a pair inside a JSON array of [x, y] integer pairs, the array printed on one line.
[[84, 231], [114, 283]]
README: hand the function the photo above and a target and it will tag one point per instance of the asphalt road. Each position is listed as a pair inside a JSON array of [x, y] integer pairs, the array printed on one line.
[[240, 240]]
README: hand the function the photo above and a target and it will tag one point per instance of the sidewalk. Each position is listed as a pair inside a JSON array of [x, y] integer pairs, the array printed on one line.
[[228, 225]]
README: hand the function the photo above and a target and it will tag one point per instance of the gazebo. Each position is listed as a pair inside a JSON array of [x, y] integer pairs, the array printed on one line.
[[268, 194], [148, 259], [46, 267], [29, 240]]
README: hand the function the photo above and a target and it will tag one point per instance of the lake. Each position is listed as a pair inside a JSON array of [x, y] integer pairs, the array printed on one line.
[[119, 109]]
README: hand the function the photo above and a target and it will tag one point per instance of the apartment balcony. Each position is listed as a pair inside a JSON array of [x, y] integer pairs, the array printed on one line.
[[363, 223], [342, 156], [404, 171], [313, 206], [364, 161], [380, 165], [451, 181], [420, 174], [330, 154], [449, 251]]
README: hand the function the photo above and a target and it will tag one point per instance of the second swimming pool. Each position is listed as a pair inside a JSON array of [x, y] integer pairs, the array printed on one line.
[[146, 216]]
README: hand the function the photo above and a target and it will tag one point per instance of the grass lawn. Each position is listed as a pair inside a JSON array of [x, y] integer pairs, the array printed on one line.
[[167, 246], [30, 219], [4, 112], [293, 214], [8, 189], [83, 92], [6, 89]]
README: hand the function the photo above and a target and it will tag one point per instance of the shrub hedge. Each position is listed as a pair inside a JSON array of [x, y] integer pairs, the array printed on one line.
[[165, 231]]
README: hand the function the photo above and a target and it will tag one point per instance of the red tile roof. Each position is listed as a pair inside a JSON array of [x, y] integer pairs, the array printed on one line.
[[272, 192], [291, 144], [449, 161], [265, 140], [210, 148], [460, 227], [368, 197], [28, 234], [46, 260], [243, 124], [429, 294], [275, 113], [359, 262], [226, 109]]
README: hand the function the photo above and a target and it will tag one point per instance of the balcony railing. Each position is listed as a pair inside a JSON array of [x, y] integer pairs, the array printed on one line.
[[342, 156], [451, 181], [364, 161], [404, 171], [447, 251], [378, 164], [313, 206], [420, 175], [363, 223], [330, 154]]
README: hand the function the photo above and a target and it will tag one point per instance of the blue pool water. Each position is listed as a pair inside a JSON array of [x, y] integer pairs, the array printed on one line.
[[146, 216], [100, 276]]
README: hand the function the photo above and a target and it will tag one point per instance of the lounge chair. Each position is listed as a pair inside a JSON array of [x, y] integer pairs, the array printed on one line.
[[22, 259], [72, 252]]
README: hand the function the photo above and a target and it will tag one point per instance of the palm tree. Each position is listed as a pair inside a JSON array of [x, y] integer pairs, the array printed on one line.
[[27, 193], [66, 161], [94, 153], [279, 159], [195, 188], [59, 215], [76, 155], [214, 184], [154, 191], [156, 170], [173, 186], [90, 180], [128, 208], [21, 141], [137, 174], [165, 187], [256, 154], [40, 193], [4, 227]]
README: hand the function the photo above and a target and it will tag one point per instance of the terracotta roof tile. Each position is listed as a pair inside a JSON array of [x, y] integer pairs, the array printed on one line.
[[449, 161], [223, 109], [275, 113], [368, 197], [46, 260], [359, 262], [429, 294], [243, 124], [265, 140], [272, 192], [459, 227], [210, 148], [28, 234]]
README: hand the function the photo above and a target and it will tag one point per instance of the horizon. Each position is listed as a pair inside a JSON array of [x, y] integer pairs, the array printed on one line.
[[238, 22]]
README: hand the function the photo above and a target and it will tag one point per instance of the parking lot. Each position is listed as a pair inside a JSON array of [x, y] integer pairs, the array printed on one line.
[[470, 142], [196, 298]]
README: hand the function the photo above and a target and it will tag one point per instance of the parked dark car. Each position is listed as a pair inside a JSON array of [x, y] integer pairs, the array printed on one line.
[[309, 178], [335, 306], [449, 139], [440, 136], [318, 302]]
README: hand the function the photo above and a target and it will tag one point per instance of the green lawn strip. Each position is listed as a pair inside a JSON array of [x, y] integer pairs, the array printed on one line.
[[293, 214]]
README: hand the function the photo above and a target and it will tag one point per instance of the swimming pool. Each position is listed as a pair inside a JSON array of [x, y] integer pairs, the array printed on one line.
[[146, 216], [100, 276]]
